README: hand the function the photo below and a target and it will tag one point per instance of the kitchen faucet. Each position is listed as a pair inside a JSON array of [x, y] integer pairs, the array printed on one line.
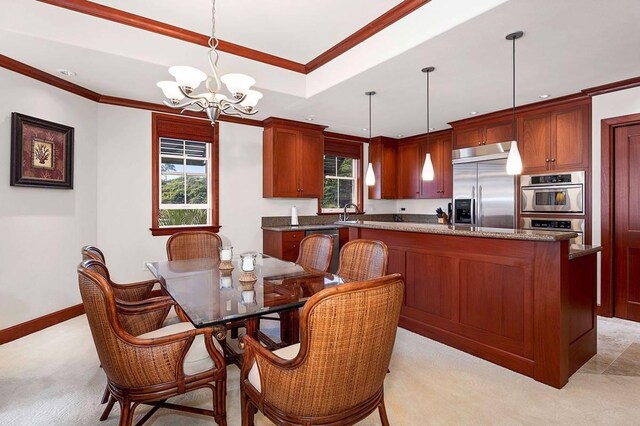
[[346, 213]]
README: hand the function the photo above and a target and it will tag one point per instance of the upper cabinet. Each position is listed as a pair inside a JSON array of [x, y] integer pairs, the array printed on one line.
[[555, 139], [292, 159], [398, 164], [482, 134], [409, 169], [440, 149], [383, 155]]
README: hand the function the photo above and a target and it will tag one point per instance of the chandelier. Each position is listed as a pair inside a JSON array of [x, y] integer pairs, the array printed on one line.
[[212, 102]]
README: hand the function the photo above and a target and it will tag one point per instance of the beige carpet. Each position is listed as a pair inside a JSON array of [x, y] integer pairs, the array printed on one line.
[[52, 378]]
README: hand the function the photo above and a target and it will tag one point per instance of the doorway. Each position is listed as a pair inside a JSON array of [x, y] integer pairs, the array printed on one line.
[[621, 217]]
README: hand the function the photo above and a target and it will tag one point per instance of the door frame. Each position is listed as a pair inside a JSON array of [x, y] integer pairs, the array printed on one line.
[[608, 127]]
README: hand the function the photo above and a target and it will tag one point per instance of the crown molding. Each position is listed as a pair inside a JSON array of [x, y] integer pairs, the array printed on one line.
[[391, 16], [613, 87], [29, 71], [121, 17], [137, 21]]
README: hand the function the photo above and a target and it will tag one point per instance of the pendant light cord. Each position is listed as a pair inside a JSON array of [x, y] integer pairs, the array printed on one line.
[[428, 147], [514, 91], [370, 118]]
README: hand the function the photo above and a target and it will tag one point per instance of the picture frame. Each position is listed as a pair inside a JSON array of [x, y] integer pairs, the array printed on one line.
[[41, 153]]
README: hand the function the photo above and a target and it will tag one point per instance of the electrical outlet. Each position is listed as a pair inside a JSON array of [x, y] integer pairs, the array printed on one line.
[[402, 209]]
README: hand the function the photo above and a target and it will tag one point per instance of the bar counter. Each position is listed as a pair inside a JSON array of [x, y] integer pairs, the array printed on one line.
[[518, 298]]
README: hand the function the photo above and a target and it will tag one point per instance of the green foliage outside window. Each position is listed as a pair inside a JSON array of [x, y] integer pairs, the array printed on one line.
[[338, 192]]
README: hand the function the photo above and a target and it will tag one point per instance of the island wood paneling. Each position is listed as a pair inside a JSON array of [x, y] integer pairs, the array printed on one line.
[[520, 304]]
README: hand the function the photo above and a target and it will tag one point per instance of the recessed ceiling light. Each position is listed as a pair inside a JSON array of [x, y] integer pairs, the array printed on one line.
[[68, 73], [545, 96], [310, 118], [431, 129], [400, 135], [473, 112], [364, 129]]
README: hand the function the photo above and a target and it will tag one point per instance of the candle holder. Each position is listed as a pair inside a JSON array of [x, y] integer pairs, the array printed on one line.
[[248, 265], [226, 280], [226, 253]]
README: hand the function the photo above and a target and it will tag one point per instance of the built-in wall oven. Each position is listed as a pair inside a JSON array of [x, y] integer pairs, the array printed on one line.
[[562, 193], [556, 224]]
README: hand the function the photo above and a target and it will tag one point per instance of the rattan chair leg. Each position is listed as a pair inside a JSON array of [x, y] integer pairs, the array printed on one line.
[[105, 395], [247, 410], [220, 402], [383, 413], [126, 416], [107, 409]]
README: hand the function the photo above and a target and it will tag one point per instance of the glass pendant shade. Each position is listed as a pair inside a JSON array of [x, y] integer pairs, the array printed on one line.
[[170, 90], [253, 96], [187, 76], [514, 161], [370, 178], [427, 170], [237, 84]]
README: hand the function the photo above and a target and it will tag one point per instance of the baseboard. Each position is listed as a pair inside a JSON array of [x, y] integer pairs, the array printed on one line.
[[37, 324]]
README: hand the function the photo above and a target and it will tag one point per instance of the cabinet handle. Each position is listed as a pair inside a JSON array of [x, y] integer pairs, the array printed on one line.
[[479, 143], [547, 160], [553, 160]]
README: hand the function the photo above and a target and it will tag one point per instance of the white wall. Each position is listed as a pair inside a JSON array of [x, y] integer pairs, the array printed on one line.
[[609, 105], [43, 229]]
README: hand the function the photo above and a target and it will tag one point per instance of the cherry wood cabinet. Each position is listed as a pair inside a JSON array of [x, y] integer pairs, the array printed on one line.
[[383, 155], [283, 245], [555, 140], [440, 149], [483, 134], [410, 163], [292, 159]]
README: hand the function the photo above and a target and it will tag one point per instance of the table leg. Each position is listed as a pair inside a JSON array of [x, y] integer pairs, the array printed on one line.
[[290, 326]]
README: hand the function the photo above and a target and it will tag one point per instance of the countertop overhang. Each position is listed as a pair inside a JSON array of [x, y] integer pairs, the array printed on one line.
[[287, 228], [464, 230]]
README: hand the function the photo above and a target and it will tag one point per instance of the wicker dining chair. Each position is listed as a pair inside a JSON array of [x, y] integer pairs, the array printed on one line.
[[335, 375], [155, 365], [193, 245], [130, 292], [315, 252], [363, 260]]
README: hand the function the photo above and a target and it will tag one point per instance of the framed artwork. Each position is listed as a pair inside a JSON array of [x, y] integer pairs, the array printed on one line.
[[41, 153]]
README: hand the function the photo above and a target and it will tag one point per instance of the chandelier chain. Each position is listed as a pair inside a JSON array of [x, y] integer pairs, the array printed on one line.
[[213, 41]]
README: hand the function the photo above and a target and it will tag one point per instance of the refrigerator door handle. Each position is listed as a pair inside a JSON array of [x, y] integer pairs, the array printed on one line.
[[479, 221], [473, 205]]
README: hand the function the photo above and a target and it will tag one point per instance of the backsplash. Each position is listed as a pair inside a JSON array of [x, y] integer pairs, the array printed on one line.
[[331, 218]]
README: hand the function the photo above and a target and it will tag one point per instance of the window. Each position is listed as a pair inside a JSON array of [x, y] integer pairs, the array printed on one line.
[[342, 175], [185, 175]]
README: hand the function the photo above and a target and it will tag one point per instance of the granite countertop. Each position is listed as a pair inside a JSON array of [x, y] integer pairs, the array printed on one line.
[[302, 227], [579, 250], [464, 230]]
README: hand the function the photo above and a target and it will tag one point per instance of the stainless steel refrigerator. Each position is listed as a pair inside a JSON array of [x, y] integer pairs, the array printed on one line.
[[483, 193]]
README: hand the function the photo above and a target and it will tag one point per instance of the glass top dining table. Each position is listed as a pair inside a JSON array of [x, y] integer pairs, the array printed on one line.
[[212, 296]]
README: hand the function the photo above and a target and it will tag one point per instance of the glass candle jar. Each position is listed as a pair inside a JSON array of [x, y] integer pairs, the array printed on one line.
[[226, 253], [248, 262]]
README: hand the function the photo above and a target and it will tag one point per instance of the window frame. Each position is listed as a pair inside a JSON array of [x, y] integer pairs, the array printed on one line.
[[183, 128], [350, 150]]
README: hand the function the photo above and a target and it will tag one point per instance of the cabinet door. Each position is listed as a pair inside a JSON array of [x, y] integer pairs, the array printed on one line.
[[467, 138], [375, 158], [409, 170], [285, 162], [570, 138], [311, 154], [498, 132], [534, 136], [388, 171], [447, 168]]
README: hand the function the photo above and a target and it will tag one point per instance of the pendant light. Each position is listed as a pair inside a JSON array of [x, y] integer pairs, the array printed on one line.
[[514, 161], [370, 178], [427, 169]]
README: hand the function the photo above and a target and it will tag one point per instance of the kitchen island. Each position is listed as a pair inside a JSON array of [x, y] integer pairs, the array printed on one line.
[[521, 299]]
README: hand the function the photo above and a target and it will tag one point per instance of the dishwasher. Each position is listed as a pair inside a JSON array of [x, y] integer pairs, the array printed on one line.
[[335, 257]]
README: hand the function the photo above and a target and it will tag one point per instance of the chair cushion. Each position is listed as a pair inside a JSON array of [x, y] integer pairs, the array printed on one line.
[[197, 358], [171, 319], [288, 352]]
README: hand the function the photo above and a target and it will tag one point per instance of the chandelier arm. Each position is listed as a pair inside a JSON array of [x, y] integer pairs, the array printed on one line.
[[234, 101], [240, 109], [184, 104]]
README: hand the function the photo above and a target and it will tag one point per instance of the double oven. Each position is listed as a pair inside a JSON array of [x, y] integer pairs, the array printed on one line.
[[554, 202]]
